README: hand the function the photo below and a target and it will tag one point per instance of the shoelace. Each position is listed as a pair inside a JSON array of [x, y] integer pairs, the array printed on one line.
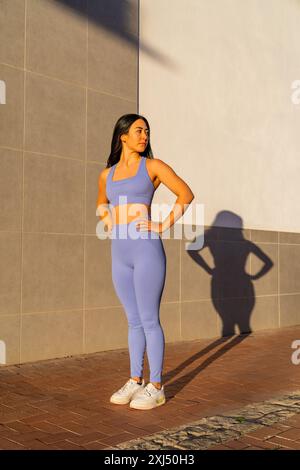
[[146, 391], [125, 386]]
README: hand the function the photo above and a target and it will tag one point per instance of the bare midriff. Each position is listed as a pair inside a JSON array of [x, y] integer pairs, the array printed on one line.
[[126, 213]]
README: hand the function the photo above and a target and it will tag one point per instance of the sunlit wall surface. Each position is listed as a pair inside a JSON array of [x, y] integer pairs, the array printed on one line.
[[220, 83]]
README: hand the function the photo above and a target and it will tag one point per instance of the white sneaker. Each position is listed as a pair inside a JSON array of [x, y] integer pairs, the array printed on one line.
[[127, 392], [148, 398]]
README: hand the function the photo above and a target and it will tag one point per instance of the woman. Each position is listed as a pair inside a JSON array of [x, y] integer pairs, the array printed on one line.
[[127, 185]]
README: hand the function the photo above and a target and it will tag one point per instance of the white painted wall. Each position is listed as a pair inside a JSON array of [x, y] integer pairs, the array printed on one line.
[[215, 82]]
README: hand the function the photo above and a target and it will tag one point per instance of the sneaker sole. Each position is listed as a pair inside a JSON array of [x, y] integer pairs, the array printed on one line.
[[118, 402], [145, 407]]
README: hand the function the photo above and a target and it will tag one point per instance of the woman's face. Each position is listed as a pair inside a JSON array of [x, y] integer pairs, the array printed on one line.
[[138, 136]]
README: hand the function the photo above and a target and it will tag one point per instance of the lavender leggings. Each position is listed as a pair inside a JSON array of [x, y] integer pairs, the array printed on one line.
[[138, 274]]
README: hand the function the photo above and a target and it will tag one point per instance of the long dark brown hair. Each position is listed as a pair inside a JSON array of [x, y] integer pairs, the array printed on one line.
[[122, 127]]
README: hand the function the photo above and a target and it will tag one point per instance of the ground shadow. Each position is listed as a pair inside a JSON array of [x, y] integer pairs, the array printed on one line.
[[178, 384]]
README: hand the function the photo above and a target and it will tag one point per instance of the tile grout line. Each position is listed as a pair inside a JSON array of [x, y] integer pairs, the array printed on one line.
[[85, 196], [66, 82], [250, 262], [23, 186], [180, 294], [138, 61], [278, 280], [79, 309], [52, 155]]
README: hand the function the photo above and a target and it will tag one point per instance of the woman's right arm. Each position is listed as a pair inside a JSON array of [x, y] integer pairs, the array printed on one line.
[[102, 209]]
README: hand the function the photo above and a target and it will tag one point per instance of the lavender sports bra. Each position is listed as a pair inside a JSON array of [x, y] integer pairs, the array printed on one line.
[[135, 189]]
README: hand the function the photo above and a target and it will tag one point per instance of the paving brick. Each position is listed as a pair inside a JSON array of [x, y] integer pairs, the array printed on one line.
[[293, 433], [66, 445], [263, 444], [122, 437], [94, 446], [37, 418], [86, 438], [253, 448], [75, 427], [294, 421], [281, 426], [18, 426], [219, 447], [37, 445], [236, 444], [287, 443], [264, 433], [47, 427], [52, 438], [6, 444]]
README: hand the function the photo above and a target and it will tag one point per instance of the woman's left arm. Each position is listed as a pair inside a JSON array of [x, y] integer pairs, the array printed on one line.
[[172, 181]]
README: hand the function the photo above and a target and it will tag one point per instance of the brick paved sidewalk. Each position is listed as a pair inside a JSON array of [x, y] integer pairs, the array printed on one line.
[[64, 403]]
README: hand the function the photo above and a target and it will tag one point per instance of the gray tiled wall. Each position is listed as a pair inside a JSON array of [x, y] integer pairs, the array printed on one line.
[[70, 69]]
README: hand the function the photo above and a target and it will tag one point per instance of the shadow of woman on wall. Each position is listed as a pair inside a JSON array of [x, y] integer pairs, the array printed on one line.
[[232, 288], [232, 291]]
